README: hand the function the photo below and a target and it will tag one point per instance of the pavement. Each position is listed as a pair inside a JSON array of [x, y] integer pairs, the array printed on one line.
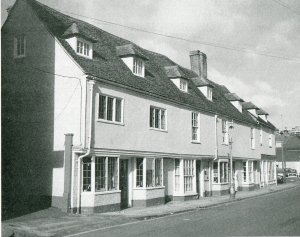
[[54, 222]]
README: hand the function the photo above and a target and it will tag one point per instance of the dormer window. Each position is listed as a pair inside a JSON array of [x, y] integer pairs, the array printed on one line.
[[206, 91], [83, 48], [235, 101], [80, 40], [183, 85], [133, 57], [138, 66]]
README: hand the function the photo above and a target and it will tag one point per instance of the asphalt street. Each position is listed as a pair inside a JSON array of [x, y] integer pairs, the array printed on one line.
[[271, 215]]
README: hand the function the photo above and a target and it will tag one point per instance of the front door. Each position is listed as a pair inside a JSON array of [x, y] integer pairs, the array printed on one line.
[[124, 183]]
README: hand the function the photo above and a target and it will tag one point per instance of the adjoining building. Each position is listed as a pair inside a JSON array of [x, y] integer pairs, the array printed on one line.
[[99, 123]]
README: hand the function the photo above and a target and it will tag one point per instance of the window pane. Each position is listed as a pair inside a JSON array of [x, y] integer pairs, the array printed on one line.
[[112, 173], [86, 174], [216, 176], [139, 172], [163, 119], [118, 110], [152, 118], [150, 172], [244, 171], [100, 174], [188, 170], [158, 172], [102, 107], [110, 104], [157, 119]]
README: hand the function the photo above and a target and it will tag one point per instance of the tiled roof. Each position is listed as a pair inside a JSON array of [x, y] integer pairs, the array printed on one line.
[[74, 30], [175, 72], [108, 66], [249, 105], [262, 112], [233, 97], [130, 49]]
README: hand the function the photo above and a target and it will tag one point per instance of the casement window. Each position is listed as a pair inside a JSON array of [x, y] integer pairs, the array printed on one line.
[[153, 177], [209, 93], [106, 174], [183, 85], [86, 174], [270, 139], [224, 131], [157, 118], [252, 138], [110, 108], [221, 171], [185, 178], [138, 66], [19, 45], [195, 127], [188, 172], [83, 48], [250, 171]]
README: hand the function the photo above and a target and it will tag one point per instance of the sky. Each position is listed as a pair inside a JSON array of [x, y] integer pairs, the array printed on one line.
[[252, 46]]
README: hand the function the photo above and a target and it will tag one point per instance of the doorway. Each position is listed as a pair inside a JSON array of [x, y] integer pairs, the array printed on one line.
[[124, 183], [198, 177]]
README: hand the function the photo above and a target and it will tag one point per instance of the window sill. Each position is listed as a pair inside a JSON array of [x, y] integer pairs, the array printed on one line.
[[100, 193], [196, 142], [148, 188], [159, 130], [225, 144], [110, 122], [226, 183]]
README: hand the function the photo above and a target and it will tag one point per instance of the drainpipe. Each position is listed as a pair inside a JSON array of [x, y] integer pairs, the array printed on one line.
[[91, 84], [216, 137]]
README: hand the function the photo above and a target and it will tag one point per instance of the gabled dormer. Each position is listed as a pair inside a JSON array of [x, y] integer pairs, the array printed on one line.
[[178, 77], [133, 58], [263, 114], [204, 86], [251, 108], [235, 101], [80, 41]]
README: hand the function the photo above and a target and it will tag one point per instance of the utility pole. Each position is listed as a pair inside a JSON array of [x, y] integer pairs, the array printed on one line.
[[282, 155]]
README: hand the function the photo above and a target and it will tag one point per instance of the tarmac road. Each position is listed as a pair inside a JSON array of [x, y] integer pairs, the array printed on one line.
[[270, 215]]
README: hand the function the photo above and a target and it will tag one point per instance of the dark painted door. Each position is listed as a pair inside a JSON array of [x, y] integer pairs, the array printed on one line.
[[198, 177], [124, 183]]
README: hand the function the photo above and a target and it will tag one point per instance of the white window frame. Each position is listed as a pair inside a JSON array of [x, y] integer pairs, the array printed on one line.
[[117, 113], [195, 127], [252, 138], [184, 176], [157, 176], [209, 93], [86, 47], [225, 132], [222, 174], [158, 118], [90, 174], [20, 41], [248, 171], [138, 67], [183, 85]]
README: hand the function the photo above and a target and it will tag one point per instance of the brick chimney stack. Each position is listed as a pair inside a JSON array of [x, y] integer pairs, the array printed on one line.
[[199, 63]]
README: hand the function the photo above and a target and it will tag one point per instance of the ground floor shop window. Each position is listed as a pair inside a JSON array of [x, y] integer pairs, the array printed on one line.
[[247, 172], [105, 174], [153, 168], [221, 171], [184, 175]]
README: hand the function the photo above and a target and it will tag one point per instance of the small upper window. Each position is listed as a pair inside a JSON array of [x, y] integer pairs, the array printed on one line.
[[183, 85], [110, 109], [209, 93], [270, 139], [157, 118], [20, 43], [83, 48], [138, 66], [252, 138], [225, 134]]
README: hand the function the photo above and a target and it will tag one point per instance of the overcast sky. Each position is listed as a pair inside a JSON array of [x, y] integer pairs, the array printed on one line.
[[268, 73]]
